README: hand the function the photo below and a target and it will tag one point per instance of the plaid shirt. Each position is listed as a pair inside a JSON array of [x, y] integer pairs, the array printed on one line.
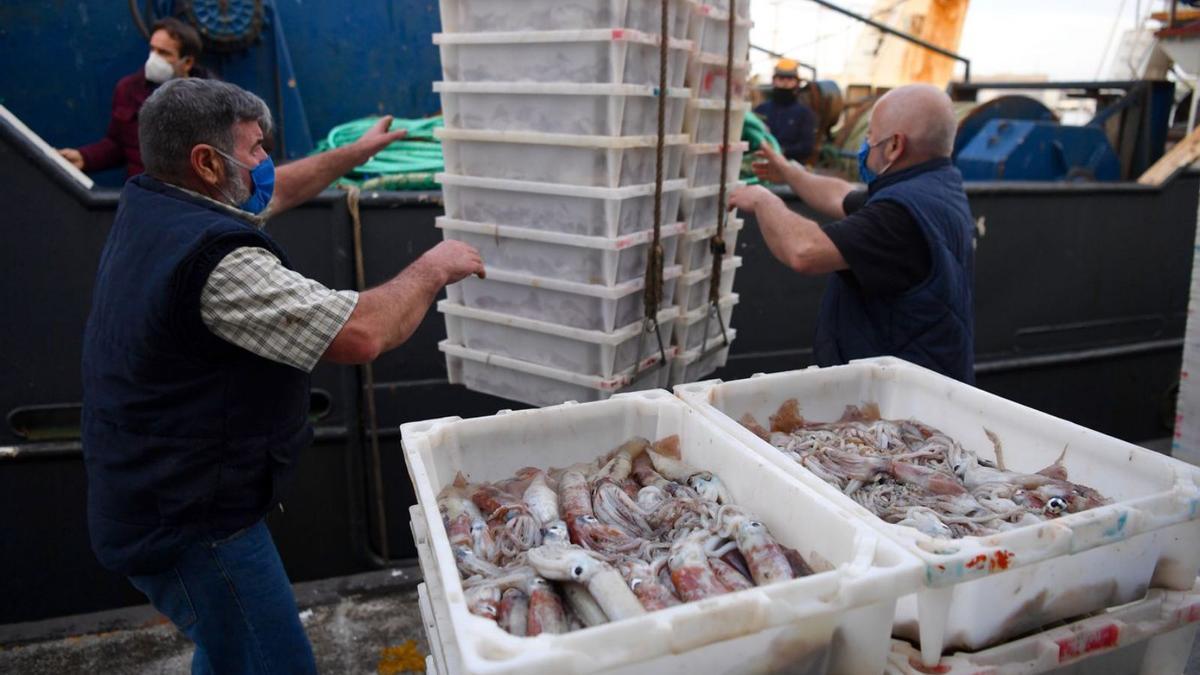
[[254, 302]]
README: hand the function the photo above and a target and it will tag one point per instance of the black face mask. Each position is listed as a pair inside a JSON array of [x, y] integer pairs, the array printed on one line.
[[783, 96]]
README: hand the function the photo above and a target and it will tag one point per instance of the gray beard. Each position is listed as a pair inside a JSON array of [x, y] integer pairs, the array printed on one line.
[[235, 190]]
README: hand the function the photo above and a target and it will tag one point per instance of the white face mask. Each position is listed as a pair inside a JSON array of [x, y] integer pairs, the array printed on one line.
[[158, 69]]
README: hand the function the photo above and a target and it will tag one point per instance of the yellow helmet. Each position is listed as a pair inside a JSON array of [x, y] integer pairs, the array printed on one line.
[[786, 68]]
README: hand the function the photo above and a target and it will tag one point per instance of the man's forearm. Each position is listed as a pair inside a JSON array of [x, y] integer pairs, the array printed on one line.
[[796, 241], [823, 193], [394, 310], [297, 182]]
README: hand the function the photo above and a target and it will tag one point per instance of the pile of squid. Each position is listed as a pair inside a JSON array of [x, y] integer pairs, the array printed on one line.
[[909, 473], [637, 530]]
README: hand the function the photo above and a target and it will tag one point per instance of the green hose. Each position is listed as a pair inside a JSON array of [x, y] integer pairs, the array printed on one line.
[[407, 164]]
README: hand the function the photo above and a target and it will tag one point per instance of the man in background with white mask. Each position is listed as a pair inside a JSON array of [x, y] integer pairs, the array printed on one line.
[[174, 48]]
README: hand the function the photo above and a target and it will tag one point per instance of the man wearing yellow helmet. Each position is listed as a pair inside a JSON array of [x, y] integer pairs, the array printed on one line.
[[789, 118]]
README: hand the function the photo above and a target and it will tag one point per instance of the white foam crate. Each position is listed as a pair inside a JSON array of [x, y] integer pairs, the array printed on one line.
[[704, 121], [1153, 635], [694, 250], [569, 257], [700, 207], [835, 621], [595, 109], [474, 16], [603, 56], [580, 351], [566, 303], [692, 288], [689, 327], [708, 30], [702, 163], [588, 211], [982, 590], [538, 385], [693, 365], [706, 78], [562, 159]]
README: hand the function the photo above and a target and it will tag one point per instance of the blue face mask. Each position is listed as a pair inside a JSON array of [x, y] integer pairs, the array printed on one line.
[[263, 177], [864, 151]]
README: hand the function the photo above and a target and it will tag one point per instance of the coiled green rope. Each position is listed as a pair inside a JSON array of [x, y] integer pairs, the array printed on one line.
[[407, 164]]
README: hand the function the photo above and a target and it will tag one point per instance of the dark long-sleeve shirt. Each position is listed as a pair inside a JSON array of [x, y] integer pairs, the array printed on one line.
[[794, 125], [120, 143]]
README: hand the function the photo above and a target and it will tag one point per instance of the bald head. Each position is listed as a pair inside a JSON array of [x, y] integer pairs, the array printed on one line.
[[923, 115]]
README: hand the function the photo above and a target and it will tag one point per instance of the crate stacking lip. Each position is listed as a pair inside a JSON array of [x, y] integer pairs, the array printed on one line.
[[704, 120], [709, 32], [692, 291], [589, 211], [695, 250], [697, 363], [743, 7], [837, 620], [566, 303], [475, 16], [588, 352], [702, 163], [560, 108], [689, 327], [706, 77], [981, 590], [566, 159], [699, 207], [569, 257], [618, 56]]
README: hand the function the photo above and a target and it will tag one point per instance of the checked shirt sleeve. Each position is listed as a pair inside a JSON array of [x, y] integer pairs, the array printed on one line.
[[251, 300]]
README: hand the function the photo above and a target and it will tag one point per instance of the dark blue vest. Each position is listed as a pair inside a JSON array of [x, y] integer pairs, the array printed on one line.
[[933, 324], [183, 433]]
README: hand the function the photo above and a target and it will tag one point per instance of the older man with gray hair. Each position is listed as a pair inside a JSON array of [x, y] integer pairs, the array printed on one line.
[[902, 250], [196, 367]]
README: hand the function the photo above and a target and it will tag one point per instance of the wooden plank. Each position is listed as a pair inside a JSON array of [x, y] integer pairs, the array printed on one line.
[[1181, 14], [1185, 152]]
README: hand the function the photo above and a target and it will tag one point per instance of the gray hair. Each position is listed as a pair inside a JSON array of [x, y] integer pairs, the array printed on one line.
[[186, 112]]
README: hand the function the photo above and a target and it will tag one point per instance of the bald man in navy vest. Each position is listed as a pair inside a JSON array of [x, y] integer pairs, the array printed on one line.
[[900, 254]]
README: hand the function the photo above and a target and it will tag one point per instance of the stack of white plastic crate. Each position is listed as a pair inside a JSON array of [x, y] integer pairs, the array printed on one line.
[[551, 111], [702, 335]]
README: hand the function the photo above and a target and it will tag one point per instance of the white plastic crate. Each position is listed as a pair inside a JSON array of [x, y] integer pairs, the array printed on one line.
[[580, 351], [596, 109], [588, 211], [566, 303], [706, 77], [704, 121], [835, 621], [702, 163], [743, 7], [603, 56], [709, 32], [1150, 636], [692, 291], [539, 385], [689, 327], [693, 365], [700, 207], [569, 257], [473, 16], [563, 159], [983, 590], [694, 250]]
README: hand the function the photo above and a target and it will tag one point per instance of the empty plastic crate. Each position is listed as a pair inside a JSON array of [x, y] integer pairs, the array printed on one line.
[[695, 251], [706, 78], [617, 56], [983, 590], [565, 303], [1150, 636], [743, 7], [698, 363], [589, 211], [702, 163], [709, 32], [473, 16], [834, 621], [689, 327], [699, 207], [569, 257], [588, 352], [704, 121], [564, 159], [597, 109], [692, 290]]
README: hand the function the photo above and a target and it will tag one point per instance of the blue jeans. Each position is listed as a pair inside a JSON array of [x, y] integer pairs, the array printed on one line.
[[232, 597]]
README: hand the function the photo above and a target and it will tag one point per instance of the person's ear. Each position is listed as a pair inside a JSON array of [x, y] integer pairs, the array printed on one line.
[[898, 145], [207, 165], [186, 64]]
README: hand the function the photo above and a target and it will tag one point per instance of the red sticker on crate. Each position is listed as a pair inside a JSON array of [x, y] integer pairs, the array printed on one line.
[[1085, 643]]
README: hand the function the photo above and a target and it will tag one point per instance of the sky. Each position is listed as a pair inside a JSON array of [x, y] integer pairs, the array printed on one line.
[[1062, 39]]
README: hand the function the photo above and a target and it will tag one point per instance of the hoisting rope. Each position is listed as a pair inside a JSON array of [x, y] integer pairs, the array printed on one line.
[[717, 244], [654, 256]]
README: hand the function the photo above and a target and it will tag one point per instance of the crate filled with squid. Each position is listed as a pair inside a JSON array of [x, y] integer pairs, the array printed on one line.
[[484, 16], [1021, 519], [632, 535]]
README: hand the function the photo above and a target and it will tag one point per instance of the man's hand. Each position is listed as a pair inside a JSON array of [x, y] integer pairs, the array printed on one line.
[[73, 156], [749, 198], [454, 260], [377, 138], [774, 169]]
